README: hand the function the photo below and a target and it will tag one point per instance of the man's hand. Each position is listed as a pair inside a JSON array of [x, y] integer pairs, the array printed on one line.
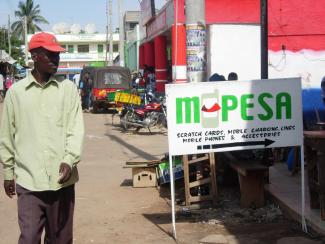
[[10, 187], [65, 172]]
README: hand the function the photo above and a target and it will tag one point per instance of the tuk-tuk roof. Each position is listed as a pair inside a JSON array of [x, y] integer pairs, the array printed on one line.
[[109, 77]]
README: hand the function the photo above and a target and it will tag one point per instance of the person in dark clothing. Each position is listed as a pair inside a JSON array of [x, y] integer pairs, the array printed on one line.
[[151, 80], [323, 89], [217, 77], [232, 76], [86, 91]]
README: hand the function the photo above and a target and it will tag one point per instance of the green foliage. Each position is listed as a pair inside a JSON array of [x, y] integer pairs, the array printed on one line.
[[33, 18], [16, 52]]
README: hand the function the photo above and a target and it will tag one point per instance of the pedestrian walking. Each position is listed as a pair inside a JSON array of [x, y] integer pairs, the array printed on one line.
[[9, 82], [41, 137], [76, 79], [2, 89], [323, 89], [151, 80], [87, 86]]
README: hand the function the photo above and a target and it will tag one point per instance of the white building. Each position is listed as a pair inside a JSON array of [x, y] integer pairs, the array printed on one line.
[[85, 49]]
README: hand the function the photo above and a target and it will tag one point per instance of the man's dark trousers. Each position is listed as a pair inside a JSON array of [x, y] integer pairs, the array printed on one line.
[[50, 209]]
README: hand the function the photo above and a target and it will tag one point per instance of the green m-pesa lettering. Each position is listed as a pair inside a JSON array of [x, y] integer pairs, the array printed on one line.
[[228, 103], [283, 106], [192, 110], [270, 106], [283, 101]]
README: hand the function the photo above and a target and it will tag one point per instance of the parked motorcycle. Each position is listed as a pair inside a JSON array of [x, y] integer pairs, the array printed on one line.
[[146, 116]]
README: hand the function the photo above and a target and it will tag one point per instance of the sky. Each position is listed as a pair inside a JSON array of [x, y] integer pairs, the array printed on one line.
[[80, 12]]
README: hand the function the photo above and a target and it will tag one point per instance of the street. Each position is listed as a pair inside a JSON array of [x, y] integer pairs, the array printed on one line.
[[109, 210]]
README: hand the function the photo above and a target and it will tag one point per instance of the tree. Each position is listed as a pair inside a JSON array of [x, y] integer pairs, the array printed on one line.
[[16, 51], [33, 18]]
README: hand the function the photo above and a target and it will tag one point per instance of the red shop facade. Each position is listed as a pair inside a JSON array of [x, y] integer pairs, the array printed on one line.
[[163, 41]]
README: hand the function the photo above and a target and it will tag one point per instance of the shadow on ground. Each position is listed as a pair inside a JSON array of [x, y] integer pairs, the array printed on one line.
[[127, 183], [134, 149]]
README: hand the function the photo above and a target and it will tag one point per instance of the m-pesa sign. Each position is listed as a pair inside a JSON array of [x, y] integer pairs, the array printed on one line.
[[233, 115]]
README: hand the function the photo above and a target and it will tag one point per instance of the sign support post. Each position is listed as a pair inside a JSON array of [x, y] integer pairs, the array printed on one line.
[[172, 191], [303, 220], [171, 169]]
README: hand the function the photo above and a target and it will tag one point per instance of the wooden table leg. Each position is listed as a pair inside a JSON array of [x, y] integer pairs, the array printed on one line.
[[321, 181]]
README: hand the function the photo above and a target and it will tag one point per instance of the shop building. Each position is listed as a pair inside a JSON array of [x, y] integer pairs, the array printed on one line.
[[85, 49], [131, 21], [296, 41]]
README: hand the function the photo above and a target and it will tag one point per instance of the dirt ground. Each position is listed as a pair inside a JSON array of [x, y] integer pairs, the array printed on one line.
[[110, 210]]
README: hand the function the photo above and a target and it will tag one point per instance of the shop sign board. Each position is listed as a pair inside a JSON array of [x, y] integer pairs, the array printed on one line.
[[147, 10], [234, 115]]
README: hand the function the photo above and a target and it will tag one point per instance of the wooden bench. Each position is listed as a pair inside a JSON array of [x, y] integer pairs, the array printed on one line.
[[251, 181], [314, 142]]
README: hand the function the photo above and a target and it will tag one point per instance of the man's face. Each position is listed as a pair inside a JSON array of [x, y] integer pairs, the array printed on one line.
[[46, 61]]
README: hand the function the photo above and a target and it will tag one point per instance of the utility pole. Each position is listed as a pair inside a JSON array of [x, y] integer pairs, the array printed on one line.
[[195, 40], [9, 36], [106, 43], [138, 45], [264, 40], [121, 32], [25, 39], [110, 33]]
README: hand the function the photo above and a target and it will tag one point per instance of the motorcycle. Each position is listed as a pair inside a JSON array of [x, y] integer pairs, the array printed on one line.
[[149, 115]]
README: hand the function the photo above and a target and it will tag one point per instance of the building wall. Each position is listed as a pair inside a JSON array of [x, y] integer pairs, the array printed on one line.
[[296, 45], [297, 40], [297, 26], [131, 53], [232, 11], [234, 48], [296, 36]]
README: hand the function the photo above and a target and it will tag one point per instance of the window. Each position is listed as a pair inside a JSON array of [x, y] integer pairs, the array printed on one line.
[[112, 79], [100, 48], [115, 48], [83, 48], [63, 46], [132, 25], [70, 49]]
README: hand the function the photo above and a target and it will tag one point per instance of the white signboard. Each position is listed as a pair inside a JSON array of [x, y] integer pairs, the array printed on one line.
[[234, 115]]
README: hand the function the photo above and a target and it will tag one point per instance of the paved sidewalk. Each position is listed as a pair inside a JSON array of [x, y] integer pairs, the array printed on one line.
[[286, 189]]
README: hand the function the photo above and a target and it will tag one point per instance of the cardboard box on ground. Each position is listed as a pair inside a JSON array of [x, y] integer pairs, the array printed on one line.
[[147, 174]]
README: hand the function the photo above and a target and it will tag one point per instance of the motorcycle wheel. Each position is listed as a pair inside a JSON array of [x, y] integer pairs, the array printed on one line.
[[126, 117], [162, 121]]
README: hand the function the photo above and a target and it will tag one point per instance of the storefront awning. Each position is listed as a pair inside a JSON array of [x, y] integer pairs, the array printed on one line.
[[6, 58]]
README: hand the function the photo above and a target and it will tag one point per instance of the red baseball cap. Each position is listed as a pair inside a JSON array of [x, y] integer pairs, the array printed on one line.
[[45, 40]]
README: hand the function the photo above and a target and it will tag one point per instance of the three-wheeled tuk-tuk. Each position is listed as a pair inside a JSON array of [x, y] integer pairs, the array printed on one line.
[[107, 80]]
